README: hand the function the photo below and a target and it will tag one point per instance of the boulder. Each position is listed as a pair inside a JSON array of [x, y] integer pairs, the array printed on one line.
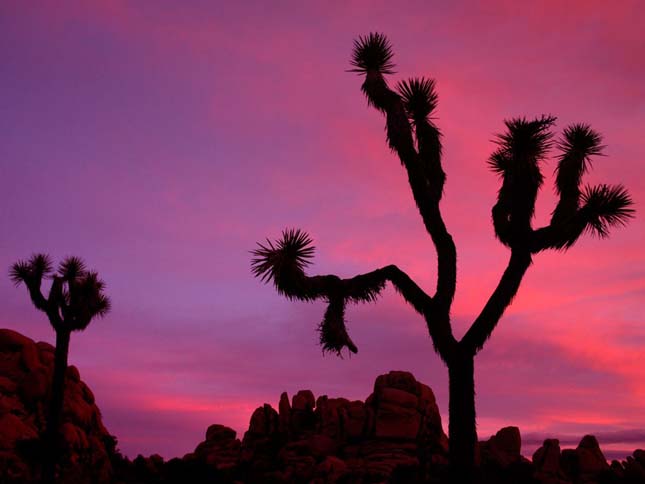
[[546, 461], [218, 433], [328, 416], [591, 461], [639, 456], [503, 448], [264, 422], [331, 469], [354, 420], [634, 468], [74, 437], [13, 429], [12, 341], [396, 409], [401, 380], [319, 446], [303, 400], [284, 413], [26, 370], [220, 450]]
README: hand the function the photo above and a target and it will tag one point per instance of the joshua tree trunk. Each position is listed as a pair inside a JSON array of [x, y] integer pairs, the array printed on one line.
[[461, 426], [51, 449]]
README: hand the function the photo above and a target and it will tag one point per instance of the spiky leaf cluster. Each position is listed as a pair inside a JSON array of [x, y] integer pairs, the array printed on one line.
[[606, 206], [372, 53], [71, 268], [79, 294], [578, 144], [87, 301], [523, 145], [332, 329], [419, 97], [32, 270], [284, 261], [520, 149], [75, 297]]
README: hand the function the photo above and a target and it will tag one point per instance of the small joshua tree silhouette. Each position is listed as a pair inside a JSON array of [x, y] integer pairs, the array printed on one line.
[[75, 298], [414, 137]]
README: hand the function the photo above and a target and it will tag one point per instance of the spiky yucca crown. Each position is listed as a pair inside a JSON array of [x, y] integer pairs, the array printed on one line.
[[34, 269], [419, 97], [525, 141], [332, 329], [72, 268], [606, 206], [77, 292], [372, 52], [578, 144], [284, 261]]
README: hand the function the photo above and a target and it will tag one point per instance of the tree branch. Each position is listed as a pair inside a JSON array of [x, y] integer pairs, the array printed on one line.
[[426, 179], [55, 303], [337, 291], [501, 298], [367, 287], [283, 263], [36, 295]]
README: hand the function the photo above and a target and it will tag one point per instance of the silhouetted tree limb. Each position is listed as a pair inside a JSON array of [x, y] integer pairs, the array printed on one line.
[[483, 326], [578, 144], [425, 174], [517, 160], [283, 263], [603, 207]]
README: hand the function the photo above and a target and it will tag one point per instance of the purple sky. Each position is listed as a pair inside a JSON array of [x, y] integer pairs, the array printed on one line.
[[159, 140]]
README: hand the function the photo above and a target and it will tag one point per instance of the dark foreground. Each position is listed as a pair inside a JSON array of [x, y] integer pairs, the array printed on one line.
[[396, 435]]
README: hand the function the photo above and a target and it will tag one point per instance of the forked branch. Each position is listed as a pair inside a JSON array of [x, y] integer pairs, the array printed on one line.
[[283, 263], [414, 103]]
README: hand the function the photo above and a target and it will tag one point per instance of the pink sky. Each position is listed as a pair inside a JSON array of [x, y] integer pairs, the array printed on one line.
[[160, 140]]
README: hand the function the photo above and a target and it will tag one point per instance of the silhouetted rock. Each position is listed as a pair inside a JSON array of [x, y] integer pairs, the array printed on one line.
[[334, 438], [396, 435], [284, 413], [591, 462], [634, 467], [25, 379], [546, 460], [220, 449], [503, 448]]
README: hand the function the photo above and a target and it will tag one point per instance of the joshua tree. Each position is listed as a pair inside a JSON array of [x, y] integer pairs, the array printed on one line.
[[413, 136], [75, 298]]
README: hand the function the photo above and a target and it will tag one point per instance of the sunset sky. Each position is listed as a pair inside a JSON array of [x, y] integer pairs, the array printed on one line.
[[159, 140]]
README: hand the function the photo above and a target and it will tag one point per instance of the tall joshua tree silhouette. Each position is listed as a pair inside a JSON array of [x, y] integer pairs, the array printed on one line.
[[414, 137], [75, 298]]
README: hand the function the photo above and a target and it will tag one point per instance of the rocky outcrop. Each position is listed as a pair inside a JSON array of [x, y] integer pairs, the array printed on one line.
[[590, 463], [26, 371], [585, 464], [501, 460], [221, 449], [396, 430], [546, 461], [395, 435]]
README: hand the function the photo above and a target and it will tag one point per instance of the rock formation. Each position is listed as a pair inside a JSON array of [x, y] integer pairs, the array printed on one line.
[[395, 435], [396, 430], [25, 376]]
